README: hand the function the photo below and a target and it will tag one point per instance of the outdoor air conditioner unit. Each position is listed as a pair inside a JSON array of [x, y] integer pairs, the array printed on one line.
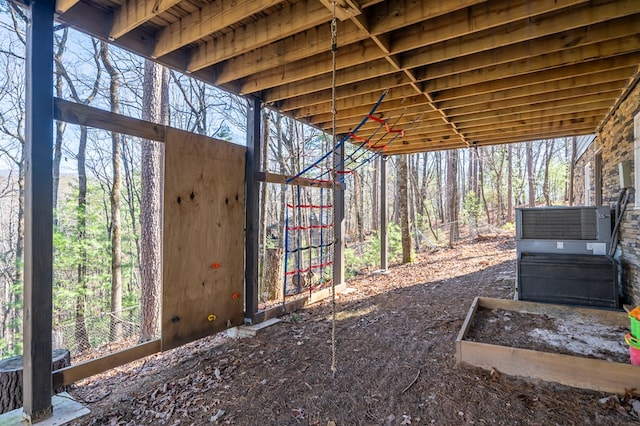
[[564, 230], [562, 256]]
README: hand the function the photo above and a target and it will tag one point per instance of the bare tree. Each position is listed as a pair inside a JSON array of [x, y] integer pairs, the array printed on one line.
[[404, 207], [115, 329], [155, 109], [81, 333], [452, 190]]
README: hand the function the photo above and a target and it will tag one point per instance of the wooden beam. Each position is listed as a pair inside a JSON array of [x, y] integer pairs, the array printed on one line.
[[318, 41], [63, 6], [447, 144], [308, 44], [395, 119], [465, 122], [373, 85], [210, 18], [563, 88], [498, 108], [578, 61], [69, 375], [261, 82], [38, 214], [347, 56], [291, 20], [439, 29], [583, 36], [83, 115], [394, 93], [534, 118], [552, 127], [344, 9], [134, 13], [350, 75], [466, 38], [544, 104], [291, 180], [252, 214]]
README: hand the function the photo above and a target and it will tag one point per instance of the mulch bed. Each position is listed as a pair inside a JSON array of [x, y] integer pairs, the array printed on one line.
[[395, 363]]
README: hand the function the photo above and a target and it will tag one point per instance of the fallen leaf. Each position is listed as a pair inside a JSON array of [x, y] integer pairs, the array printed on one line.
[[216, 417], [406, 420]]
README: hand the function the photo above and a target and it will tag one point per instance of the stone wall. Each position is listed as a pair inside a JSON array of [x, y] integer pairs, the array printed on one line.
[[578, 176], [616, 139]]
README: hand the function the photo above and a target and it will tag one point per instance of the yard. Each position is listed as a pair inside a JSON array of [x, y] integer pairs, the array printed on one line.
[[395, 363]]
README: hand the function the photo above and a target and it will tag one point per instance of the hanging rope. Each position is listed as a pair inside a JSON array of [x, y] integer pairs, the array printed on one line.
[[334, 50]]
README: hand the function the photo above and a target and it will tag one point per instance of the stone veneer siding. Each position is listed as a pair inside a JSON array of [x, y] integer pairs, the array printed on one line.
[[578, 176], [616, 139]]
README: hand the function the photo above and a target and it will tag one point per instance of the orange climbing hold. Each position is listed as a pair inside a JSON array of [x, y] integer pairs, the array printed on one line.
[[235, 296], [216, 265]]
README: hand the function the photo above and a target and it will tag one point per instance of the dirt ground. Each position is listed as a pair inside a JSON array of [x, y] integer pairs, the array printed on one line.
[[395, 363]]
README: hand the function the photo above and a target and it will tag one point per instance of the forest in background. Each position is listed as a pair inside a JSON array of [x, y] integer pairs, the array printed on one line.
[[107, 195]]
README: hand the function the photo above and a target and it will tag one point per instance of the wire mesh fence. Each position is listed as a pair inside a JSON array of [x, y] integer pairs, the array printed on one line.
[[110, 329]]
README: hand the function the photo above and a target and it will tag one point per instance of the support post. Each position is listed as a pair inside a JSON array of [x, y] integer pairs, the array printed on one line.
[[338, 218], [38, 217], [252, 205], [384, 253]]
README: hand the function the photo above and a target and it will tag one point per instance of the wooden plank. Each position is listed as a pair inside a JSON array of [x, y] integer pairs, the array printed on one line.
[[325, 293], [75, 113], [64, 5], [471, 34], [558, 42], [278, 311], [38, 213], [465, 327], [69, 375], [293, 19], [584, 373], [203, 237], [134, 13], [212, 17], [558, 89], [614, 318], [299, 181], [543, 76]]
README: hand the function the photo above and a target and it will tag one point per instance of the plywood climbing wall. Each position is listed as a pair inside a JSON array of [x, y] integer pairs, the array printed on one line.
[[203, 261]]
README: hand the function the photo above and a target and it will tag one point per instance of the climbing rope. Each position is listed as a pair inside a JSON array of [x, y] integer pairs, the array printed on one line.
[[334, 50]]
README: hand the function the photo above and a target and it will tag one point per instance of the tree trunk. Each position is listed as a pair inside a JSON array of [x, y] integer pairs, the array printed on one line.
[[60, 125], [81, 332], [115, 329], [357, 205], [572, 169], [155, 102], [375, 188], [440, 193], [11, 390], [481, 186], [530, 174], [549, 145], [452, 191], [404, 208], [510, 184], [272, 275]]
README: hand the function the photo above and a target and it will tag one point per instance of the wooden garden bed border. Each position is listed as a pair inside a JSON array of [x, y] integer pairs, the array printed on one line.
[[575, 371]]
